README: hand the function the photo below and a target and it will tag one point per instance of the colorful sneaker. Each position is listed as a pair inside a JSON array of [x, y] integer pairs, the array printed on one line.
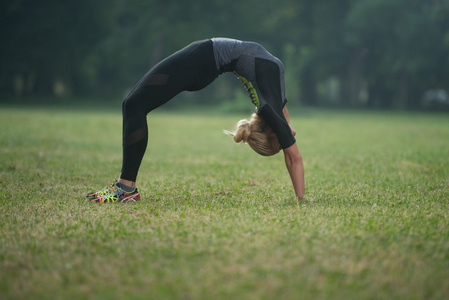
[[103, 192], [114, 194]]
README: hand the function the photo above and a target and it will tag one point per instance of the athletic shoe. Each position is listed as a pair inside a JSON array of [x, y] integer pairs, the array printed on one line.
[[114, 194], [103, 192]]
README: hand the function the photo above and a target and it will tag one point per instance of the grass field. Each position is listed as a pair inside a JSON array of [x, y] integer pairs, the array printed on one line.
[[217, 221]]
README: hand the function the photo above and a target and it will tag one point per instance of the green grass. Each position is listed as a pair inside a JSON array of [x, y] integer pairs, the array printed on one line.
[[217, 221]]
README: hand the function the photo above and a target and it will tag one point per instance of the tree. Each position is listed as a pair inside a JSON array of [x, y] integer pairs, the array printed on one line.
[[402, 45], [46, 41], [393, 50]]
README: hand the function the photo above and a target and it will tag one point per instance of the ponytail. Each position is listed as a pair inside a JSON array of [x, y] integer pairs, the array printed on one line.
[[254, 133]]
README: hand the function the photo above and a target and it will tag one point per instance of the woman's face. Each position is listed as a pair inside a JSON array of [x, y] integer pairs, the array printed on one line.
[[276, 144], [275, 140]]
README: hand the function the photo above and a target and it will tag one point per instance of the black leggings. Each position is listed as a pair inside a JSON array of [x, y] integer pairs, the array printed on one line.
[[190, 69]]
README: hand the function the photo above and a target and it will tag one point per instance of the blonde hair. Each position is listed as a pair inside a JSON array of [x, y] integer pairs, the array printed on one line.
[[254, 133]]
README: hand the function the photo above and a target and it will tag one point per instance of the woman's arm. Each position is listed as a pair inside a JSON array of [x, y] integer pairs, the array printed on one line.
[[293, 161], [295, 167]]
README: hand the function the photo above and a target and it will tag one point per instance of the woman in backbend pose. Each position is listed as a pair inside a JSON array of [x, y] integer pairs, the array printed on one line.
[[192, 69]]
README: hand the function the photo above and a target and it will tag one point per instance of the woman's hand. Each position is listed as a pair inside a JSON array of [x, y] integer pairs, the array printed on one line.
[[295, 167]]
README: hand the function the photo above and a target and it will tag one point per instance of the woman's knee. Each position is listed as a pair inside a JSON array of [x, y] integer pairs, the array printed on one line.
[[134, 102]]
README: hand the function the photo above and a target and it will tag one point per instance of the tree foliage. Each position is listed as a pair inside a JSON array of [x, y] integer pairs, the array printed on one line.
[[377, 53]]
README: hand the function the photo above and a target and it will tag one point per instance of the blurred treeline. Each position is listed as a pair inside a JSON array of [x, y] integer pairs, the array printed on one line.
[[352, 53]]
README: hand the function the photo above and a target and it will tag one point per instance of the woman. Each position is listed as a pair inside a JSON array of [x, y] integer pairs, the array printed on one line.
[[192, 69]]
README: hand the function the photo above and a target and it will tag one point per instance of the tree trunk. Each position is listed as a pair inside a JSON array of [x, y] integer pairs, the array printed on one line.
[[353, 84], [378, 96], [403, 92], [307, 91]]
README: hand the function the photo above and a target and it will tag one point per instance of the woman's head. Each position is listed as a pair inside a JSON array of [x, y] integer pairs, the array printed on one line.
[[257, 134]]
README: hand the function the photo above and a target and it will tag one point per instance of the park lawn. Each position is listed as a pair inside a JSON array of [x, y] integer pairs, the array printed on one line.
[[216, 220]]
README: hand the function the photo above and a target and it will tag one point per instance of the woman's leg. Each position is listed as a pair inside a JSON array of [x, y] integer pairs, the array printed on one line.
[[191, 68], [135, 129]]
